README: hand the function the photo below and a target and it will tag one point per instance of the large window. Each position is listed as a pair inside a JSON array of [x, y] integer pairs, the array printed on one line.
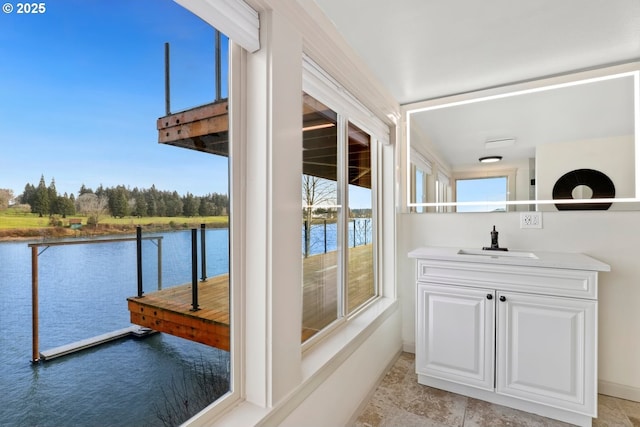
[[337, 217], [91, 122]]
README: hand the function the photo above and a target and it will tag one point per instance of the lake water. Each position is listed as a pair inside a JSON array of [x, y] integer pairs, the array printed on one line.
[[82, 293]]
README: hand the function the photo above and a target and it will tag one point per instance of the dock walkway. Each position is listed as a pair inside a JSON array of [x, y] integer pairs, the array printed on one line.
[[77, 346], [170, 311]]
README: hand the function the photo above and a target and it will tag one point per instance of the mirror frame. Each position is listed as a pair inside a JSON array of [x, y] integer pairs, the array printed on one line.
[[631, 69]]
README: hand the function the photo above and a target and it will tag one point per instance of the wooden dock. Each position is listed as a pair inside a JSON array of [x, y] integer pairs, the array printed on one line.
[[170, 311]]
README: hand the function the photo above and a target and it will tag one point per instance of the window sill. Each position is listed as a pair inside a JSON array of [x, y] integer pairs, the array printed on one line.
[[338, 346], [318, 363]]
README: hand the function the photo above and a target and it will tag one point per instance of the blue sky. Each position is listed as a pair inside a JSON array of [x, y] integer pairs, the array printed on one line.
[[81, 88], [479, 190]]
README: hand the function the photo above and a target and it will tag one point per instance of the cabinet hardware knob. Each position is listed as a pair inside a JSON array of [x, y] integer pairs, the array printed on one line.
[[489, 296], [503, 298]]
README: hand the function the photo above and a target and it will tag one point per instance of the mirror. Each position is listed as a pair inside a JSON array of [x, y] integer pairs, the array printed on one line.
[[528, 136]]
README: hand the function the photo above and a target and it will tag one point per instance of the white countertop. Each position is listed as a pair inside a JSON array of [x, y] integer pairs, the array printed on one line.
[[574, 261]]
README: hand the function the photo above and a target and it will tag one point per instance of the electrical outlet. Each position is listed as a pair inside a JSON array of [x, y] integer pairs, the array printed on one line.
[[530, 219]]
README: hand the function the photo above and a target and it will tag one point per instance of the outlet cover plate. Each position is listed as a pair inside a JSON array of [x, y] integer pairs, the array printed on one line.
[[530, 219]]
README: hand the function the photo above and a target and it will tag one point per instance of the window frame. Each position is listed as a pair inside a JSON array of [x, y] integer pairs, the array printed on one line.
[[319, 85]]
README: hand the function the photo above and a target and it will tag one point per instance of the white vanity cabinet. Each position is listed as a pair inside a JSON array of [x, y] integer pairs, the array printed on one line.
[[520, 332]]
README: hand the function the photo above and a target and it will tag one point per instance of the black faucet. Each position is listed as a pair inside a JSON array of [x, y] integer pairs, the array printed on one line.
[[494, 242]]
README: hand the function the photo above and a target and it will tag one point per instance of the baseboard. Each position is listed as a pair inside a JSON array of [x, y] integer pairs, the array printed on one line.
[[619, 390], [409, 347]]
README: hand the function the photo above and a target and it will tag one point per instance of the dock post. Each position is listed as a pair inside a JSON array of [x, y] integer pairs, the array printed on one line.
[[160, 264], [139, 258], [167, 80], [325, 236], [218, 66], [194, 269], [203, 252], [35, 353]]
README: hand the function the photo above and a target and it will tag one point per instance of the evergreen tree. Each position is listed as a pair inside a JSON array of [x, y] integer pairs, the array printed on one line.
[[140, 205], [206, 208], [84, 190], [66, 205], [52, 195], [40, 203], [119, 202], [190, 205], [27, 196]]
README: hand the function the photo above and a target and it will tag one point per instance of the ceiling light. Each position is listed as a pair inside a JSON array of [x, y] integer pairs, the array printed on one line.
[[490, 159]]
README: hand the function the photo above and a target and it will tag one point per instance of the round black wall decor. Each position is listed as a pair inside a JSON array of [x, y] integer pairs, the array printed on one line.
[[600, 184]]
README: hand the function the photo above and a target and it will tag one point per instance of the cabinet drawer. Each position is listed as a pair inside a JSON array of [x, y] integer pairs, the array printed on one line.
[[536, 280]]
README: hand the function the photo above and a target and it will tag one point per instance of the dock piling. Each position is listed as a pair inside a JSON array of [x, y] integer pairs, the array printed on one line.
[[194, 270], [35, 350], [203, 252], [139, 259]]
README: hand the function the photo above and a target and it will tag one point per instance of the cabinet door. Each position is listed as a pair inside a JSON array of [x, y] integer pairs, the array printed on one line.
[[455, 334], [547, 350]]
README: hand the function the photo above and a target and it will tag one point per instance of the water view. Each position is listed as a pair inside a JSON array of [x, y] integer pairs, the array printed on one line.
[[82, 293]]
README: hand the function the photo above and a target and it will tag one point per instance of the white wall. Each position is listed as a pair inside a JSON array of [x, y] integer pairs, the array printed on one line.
[[612, 237], [612, 156]]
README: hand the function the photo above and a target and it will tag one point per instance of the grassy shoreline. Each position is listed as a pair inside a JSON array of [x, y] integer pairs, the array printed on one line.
[[23, 227]]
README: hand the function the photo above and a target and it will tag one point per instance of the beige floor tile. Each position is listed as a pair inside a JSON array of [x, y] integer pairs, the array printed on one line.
[[632, 410], [484, 414], [399, 401], [610, 413]]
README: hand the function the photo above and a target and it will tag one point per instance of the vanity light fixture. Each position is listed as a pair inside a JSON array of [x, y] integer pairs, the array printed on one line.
[[490, 159]]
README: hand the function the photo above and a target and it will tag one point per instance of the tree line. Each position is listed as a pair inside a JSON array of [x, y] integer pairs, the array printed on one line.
[[119, 202]]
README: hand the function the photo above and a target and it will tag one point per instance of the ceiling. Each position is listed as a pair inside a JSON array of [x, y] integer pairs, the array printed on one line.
[[422, 49], [426, 49]]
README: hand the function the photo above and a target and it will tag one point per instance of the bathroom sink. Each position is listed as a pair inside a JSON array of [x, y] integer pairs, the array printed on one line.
[[497, 254]]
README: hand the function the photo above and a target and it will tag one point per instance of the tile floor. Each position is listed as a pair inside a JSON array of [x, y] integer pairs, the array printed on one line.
[[399, 401]]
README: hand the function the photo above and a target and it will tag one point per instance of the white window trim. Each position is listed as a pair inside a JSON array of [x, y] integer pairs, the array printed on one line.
[[237, 267], [317, 83], [234, 18], [421, 161]]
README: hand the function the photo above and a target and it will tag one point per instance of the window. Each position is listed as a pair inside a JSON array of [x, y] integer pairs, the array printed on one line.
[[487, 190], [421, 173], [338, 255], [321, 210], [158, 193], [360, 277], [492, 189]]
